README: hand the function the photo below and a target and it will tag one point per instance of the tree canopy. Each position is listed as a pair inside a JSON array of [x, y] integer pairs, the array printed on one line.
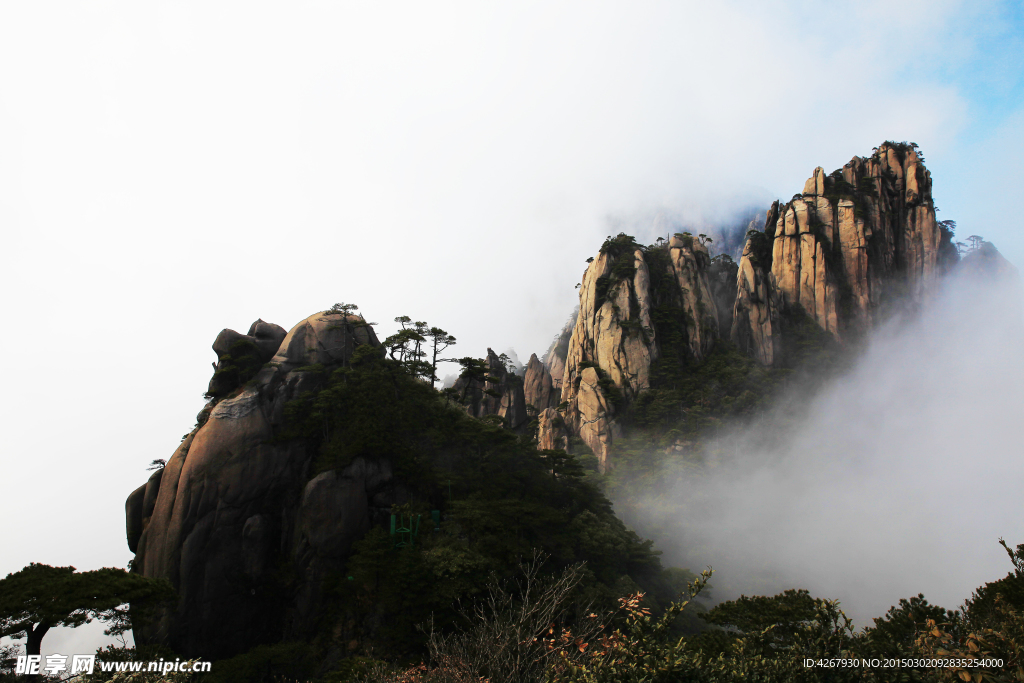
[[39, 597]]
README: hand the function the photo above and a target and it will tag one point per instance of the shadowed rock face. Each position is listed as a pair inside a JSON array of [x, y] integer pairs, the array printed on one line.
[[139, 508], [722, 282], [234, 351], [232, 506], [554, 359], [504, 397], [755, 309], [853, 244]]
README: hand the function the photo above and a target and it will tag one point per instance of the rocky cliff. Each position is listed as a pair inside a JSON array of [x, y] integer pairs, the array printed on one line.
[[552, 433], [240, 356], [240, 511], [853, 244], [554, 359], [233, 502], [627, 295], [722, 283], [538, 386], [499, 392]]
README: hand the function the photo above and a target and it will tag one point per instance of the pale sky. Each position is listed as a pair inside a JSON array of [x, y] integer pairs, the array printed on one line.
[[171, 169]]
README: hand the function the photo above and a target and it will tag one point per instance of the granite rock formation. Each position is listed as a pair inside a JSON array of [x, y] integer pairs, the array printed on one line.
[[755, 313], [614, 341], [552, 433], [238, 352], [232, 502], [854, 243], [538, 386], [554, 359], [235, 502], [499, 393], [722, 283]]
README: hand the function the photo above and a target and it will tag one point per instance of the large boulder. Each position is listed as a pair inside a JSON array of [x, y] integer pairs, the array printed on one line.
[[325, 339], [240, 356], [234, 503]]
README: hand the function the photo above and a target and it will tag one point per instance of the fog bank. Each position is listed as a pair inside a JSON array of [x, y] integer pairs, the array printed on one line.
[[896, 479]]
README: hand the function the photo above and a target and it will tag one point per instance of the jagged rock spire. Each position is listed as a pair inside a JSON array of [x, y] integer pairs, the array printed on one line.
[[855, 240]]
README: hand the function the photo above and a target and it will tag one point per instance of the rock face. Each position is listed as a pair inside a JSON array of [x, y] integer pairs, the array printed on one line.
[[538, 387], [854, 242], [755, 308], [851, 245], [615, 341], [551, 432], [722, 282], [501, 394], [139, 508], [236, 351], [232, 504], [554, 359]]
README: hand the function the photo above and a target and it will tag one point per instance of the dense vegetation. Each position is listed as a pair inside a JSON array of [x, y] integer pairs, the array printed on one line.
[[499, 499], [525, 630]]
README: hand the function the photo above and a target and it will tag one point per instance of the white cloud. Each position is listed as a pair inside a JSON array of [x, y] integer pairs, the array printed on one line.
[[897, 479]]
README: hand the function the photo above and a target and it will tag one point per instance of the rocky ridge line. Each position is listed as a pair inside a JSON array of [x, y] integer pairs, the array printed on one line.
[[855, 241], [855, 244]]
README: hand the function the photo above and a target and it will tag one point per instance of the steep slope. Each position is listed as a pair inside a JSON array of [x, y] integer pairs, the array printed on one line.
[[538, 386], [854, 244], [499, 393], [213, 520], [627, 294], [554, 359]]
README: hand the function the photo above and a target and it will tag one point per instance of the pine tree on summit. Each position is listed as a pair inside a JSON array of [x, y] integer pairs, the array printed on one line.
[[439, 341], [416, 342]]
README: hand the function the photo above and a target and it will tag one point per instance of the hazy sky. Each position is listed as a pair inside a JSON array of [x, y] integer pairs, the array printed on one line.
[[167, 170]]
